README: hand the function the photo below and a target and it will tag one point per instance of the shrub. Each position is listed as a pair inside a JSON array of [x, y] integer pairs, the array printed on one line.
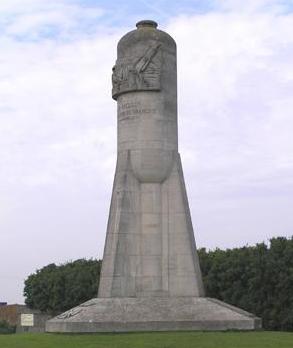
[[6, 328]]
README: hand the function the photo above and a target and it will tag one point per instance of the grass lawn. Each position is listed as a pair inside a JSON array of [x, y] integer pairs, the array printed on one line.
[[152, 340]]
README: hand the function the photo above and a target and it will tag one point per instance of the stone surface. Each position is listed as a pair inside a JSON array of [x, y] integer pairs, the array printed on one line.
[[150, 248], [153, 314], [150, 278]]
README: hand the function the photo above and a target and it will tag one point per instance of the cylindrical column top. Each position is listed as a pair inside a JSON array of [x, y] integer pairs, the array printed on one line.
[[146, 60]]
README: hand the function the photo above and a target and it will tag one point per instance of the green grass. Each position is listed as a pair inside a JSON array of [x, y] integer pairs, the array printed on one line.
[[152, 340]]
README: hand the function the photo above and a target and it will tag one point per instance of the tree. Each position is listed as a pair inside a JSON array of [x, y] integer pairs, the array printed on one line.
[[56, 289], [258, 279]]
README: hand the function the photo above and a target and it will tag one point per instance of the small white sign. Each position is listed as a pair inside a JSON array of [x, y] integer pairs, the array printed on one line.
[[27, 320]]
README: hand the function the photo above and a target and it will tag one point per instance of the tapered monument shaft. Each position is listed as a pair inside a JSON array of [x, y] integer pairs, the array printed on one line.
[[150, 248]]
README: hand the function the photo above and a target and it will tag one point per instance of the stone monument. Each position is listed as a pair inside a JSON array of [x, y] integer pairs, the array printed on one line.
[[151, 278]]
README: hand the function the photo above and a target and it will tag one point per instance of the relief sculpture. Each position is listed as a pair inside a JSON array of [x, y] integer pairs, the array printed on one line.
[[141, 74]]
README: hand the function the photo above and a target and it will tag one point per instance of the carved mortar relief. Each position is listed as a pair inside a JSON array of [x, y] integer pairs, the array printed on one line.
[[141, 74]]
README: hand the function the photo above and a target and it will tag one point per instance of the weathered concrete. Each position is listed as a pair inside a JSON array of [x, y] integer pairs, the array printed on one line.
[[150, 247], [153, 314], [151, 278]]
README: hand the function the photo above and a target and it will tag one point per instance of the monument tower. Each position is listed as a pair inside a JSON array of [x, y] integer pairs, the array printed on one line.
[[151, 278]]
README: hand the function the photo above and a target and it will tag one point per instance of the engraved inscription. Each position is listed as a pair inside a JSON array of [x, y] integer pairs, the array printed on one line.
[[71, 313], [130, 110], [142, 73]]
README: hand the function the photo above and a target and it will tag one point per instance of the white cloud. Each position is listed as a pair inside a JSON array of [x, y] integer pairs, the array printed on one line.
[[37, 19], [236, 94], [57, 125], [252, 6]]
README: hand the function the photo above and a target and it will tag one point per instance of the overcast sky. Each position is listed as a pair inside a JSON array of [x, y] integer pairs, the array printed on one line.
[[58, 123]]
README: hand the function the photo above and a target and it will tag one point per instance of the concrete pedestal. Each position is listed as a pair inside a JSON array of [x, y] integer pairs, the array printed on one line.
[[153, 314]]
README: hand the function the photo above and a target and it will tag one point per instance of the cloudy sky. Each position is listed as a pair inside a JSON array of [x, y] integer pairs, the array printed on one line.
[[58, 123]]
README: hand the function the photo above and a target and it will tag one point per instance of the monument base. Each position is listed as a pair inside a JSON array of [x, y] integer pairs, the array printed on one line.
[[153, 314]]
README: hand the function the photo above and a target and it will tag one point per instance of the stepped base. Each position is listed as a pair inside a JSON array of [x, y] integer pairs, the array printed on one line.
[[153, 314]]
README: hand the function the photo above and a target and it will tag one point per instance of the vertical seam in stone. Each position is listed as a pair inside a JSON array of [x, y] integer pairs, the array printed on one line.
[[165, 237], [139, 267]]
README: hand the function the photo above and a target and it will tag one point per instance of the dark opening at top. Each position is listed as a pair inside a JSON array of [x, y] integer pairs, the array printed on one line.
[[146, 23]]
